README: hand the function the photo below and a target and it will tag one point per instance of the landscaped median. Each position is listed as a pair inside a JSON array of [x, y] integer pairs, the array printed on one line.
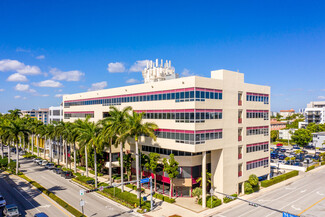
[[61, 202], [280, 178]]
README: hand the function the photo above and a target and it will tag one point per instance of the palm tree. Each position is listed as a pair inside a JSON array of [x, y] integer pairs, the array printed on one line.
[[38, 130], [135, 129], [14, 114], [33, 125], [73, 136], [118, 121], [60, 129], [108, 138], [90, 133], [16, 129]]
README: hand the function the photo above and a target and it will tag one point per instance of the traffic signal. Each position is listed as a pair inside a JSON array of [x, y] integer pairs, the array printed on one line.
[[88, 191], [253, 204]]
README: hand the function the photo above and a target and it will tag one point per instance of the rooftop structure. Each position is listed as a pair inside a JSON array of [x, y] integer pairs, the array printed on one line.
[[155, 72]]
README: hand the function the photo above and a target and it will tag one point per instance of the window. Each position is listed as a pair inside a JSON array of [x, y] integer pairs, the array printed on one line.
[[257, 131], [257, 163], [258, 97]]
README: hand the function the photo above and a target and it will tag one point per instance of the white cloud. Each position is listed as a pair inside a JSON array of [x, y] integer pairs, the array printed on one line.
[[132, 81], [1, 90], [98, 86], [17, 97], [321, 97], [19, 49], [17, 78], [186, 72], [74, 75], [138, 66], [22, 87], [40, 57], [14, 65], [116, 67], [59, 95], [48, 83], [44, 95]]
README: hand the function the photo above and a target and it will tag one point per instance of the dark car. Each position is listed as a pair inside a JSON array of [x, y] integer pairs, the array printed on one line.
[[297, 164], [274, 155], [310, 147], [40, 214], [283, 150], [322, 149], [295, 147], [90, 182], [282, 157], [67, 174], [57, 170], [289, 163]]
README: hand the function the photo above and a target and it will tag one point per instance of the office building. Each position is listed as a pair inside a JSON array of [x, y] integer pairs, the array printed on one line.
[[55, 114], [40, 114], [315, 112], [218, 124]]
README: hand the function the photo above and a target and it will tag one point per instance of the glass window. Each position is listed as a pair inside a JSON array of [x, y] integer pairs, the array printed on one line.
[[192, 94], [168, 96], [187, 95], [197, 94]]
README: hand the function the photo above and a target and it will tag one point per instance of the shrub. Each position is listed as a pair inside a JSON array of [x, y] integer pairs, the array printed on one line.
[[248, 188], [227, 200], [322, 163], [12, 166], [310, 168], [164, 198], [215, 202], [93, 172], [4, 162], [134, 187], [280, 178]]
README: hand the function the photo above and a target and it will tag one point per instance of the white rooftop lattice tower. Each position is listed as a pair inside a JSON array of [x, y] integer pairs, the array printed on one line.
[[155, 72]]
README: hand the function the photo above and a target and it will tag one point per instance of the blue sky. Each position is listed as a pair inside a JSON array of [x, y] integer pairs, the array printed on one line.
[[50, 48]]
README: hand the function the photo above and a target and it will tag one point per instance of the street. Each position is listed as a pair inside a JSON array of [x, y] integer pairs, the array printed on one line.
[[296, 198], [95, 205], [29, 201]]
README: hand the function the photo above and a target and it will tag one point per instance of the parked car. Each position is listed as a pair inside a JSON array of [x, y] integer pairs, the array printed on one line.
[[38, 161], [279, 145], [67, 174], [297, 164], [44, 162], [282, 157], [289, 163], [295, 147], [90, 182], [322, 149], [11, 211], [308, 161], [49, 166], [310, 147], [40, 214], [2, 201], [274, 155], [57, 170], [283, 150]]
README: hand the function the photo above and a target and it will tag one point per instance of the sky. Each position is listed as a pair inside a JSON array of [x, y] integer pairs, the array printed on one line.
[[51, 48]]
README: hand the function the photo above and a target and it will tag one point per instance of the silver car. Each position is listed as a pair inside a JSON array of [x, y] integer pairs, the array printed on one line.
[[11, 211]]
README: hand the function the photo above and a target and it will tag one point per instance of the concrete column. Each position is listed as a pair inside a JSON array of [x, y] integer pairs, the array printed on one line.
[[204, 179]]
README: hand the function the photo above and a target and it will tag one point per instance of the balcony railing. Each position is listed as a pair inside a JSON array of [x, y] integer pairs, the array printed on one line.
[[240, 138], [240, 102], [240, 173], [240, 156], [240, 120]]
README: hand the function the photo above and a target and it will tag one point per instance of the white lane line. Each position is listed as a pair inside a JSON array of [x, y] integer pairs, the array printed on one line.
[[276, 199], [295, 208], [319, 193], [27, 200], [292, 202]]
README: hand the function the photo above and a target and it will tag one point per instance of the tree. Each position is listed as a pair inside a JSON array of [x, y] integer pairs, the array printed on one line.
[[90, 133], [278, 117], [152, 165], [248, 188], [274, 135], [144, 161], [171, 168], [253, 180], [135, 129], [199, 180], [127, 161], [302, 137], [197, 192], [14, 114], [118, 121]]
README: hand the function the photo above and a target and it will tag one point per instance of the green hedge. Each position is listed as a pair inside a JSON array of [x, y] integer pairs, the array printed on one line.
[[134, 187], [61, 202], [215, 202], [227, 200], [322, 163], [280, 178], [90, 171], [29, 155], [164, 198], [310, 168]]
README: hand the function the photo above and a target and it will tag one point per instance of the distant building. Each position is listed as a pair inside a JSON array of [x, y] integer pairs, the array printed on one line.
[[302, 124], [55, 114], [287, 113], [315, 112], [286, 134], [318, 139], [277, 125], [40, 114]]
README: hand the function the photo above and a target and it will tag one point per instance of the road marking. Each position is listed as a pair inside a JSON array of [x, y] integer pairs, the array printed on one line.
[[295, 208], [261, 200], [319, 193], [311, 206], [46, 206], [303, 191], [56, 205], [27, 200]]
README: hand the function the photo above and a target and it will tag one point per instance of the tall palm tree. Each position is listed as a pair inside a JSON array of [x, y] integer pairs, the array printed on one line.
[[135, 129], [50, 134], [118, 121], [14, 114], [39, 131], [90, 133], [60, 129], [108, 139], [33, 125], [82, 144], [16, 129]]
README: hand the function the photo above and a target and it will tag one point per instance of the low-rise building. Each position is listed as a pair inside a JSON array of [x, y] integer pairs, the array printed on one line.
[[55, 114], [286, 133], [315, 112], [319, 139], [287, 113], [277, 125], [40, 114]]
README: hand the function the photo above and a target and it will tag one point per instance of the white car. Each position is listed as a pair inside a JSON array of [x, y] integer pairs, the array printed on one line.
[[11, 211], [2, 201], [44, 162]]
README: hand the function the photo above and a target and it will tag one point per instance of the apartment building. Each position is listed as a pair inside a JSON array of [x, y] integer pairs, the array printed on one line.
[[315, 112], [287, 113], [55, 114], [218, 124], [40, 114]]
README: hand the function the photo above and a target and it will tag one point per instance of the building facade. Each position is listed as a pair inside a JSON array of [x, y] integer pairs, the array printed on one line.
[[218, 124], [319, 139], [55, 114], [286, 134], [287, 113], [315, 112], [40, 114], [277, 125]]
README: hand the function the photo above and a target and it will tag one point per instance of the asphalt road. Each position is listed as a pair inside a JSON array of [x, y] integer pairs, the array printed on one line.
[[95, 205], [29, 201], [305, 196]]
